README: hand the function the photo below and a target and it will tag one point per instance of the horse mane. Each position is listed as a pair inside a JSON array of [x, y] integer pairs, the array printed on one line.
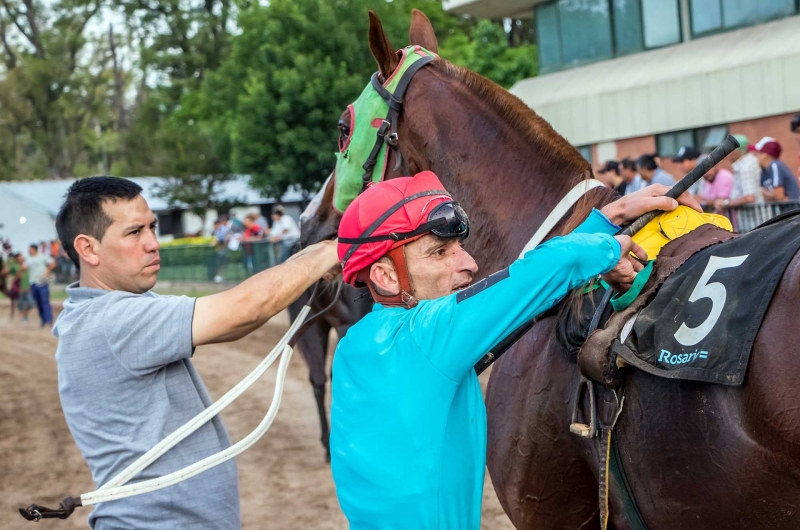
[[556, 151]]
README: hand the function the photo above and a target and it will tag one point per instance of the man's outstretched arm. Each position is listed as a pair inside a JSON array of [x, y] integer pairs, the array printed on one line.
[[232, 314]]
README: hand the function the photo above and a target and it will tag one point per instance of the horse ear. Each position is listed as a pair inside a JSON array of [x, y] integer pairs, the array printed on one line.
[[421, 32], [380, 46]]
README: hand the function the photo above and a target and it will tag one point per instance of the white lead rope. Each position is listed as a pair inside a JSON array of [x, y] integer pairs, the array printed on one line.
[[579, 190], [116, 489]]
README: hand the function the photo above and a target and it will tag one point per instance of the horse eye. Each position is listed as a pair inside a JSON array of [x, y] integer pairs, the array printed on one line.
[[344, 129]]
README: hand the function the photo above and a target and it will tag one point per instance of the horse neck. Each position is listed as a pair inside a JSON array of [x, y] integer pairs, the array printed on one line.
[[508, 174]]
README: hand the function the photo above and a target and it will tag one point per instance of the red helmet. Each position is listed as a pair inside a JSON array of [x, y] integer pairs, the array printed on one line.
[[387, 216]]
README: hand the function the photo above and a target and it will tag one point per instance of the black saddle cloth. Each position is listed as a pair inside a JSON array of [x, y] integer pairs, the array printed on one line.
[[702, 323]]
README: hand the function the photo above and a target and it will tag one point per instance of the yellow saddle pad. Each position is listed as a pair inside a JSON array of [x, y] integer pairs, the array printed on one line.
[[671, 225]]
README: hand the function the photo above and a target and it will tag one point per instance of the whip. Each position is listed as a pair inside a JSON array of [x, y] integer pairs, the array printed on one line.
[[728, 145]]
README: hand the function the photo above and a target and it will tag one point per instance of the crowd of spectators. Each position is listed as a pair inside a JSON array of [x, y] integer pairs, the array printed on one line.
[[758, 175], [25, 277], [231, 234]]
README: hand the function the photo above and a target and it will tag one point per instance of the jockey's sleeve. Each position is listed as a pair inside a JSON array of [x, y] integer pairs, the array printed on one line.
[[455, 331]]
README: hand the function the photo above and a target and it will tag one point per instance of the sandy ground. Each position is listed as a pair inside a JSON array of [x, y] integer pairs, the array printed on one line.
[[284, 480]]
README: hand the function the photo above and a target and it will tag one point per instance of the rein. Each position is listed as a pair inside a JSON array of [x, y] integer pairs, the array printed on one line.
[[117, 488]]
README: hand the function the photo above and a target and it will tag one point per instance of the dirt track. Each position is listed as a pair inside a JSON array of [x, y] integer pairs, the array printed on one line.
[[284, 481]]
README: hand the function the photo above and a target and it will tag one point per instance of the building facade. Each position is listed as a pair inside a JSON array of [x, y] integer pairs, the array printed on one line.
[[627, 77]]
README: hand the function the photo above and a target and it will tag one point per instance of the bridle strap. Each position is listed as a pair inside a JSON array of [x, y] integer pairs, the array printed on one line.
[[404, 298], [395, 103]]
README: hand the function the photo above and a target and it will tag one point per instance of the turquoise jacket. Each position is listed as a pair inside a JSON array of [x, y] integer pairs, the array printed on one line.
[[408, 422]]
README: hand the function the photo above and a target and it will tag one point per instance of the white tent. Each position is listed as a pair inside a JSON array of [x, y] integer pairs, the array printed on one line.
[[24, 221]]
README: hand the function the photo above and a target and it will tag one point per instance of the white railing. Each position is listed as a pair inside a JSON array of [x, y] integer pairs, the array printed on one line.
[[748, 216]]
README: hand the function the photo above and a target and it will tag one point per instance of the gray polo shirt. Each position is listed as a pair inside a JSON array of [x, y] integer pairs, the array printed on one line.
[[126, 381]]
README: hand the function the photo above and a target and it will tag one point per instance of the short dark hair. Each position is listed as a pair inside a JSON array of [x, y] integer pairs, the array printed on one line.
[[647, 162], [795, 125], [82, 211], [627, 163], [33, 246]]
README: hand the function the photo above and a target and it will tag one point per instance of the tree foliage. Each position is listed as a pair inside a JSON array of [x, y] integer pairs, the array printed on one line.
[[57, 89], [198, 91], [298, 63]]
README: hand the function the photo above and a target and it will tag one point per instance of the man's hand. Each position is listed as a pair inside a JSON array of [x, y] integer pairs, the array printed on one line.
[[633, 206], [624, 272]]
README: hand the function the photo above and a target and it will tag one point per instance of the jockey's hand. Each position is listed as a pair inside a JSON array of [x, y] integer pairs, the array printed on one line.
[[627, 208], [624, 272]]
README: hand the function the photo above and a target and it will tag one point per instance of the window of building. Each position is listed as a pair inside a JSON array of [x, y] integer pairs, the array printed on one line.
[[715, 15], [574, 32], [585, 151], [170, 223], [548, 36], [662, 23], [627, 16], [705, 139], [585, 31]]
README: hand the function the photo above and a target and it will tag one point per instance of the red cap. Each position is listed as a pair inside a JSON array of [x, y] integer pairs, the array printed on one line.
[[376, 200], [767, 145]]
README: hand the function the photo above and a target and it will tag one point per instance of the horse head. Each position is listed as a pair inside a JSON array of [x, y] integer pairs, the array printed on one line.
[[504, 163]]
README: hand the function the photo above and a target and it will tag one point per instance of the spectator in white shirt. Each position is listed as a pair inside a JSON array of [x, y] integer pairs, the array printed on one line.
[[284, 232], [746, 178], [39, 267]]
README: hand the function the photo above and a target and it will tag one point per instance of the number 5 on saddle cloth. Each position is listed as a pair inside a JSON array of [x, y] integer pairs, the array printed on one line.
[[700, 324]]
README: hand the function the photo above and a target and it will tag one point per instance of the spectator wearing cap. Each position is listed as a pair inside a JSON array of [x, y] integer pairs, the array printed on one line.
[[777, 181], [794, 126], [717, 184], [609, 175], [651, 173], [630, 177], [746, 178]]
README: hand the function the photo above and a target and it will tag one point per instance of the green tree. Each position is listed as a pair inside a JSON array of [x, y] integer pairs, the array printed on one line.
[[487, 52], [175, 130], [56, 88], [296, 64]]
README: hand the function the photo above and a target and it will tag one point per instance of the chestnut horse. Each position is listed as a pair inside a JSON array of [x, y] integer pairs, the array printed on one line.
[[697, 456]]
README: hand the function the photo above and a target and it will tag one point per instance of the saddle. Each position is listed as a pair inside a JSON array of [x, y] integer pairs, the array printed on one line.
[[696, 322], [596, 358]]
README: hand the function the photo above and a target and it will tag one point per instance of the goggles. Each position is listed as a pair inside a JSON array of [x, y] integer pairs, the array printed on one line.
[[448, 220]]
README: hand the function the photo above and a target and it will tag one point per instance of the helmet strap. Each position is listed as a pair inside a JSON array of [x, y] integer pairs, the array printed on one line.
[[404, 298]]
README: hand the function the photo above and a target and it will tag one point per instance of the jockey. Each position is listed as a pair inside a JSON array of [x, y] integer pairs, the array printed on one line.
[[408, 436]]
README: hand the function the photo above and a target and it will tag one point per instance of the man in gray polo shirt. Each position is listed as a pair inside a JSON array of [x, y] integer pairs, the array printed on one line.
[[651, 173], [125, 376]]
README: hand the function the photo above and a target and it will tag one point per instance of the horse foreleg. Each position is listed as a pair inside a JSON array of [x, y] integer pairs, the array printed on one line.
[[313, 344], [319, 395]]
